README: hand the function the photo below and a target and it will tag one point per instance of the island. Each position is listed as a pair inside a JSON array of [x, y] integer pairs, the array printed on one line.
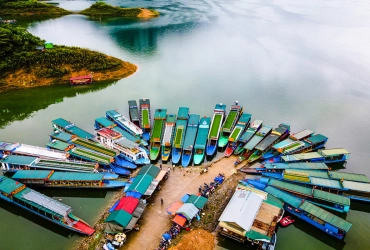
[[29, 7], [27, 61]]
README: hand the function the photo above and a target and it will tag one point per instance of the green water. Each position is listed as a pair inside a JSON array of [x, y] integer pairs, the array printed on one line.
[[305, 63]]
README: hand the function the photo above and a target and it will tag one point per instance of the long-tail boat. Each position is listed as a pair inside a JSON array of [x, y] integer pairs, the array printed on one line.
[[253, 142], [134, 112], [247, 135], [157, 133], [144, 106], [201, 140], [168, 135], [230, 122], [236, 133], [214, 132], [71, 128], [52, 210], [276, 135], [323, 155], [180, 131], [191, 133]]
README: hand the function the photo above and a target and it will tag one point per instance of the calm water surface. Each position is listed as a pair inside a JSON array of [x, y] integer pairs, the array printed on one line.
[[301, 62]]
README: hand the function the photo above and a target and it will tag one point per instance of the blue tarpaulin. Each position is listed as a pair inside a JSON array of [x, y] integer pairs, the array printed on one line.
[[185, 198], [134, 194], [113, 207], [166, 236]]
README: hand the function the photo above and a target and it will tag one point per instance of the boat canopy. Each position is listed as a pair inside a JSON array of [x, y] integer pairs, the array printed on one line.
[[72, 128], [301, 134], [300, 165], [338, 199], [325, 182], [258, 137], [59, 145], [62, 136], [201, 139], [349, 177], [191, 132], [333, 152], [183, 113], [67, 176], [104, 122], [301, 157], [244, 119], [8, 185], [358, 186], [133, 109], [290, 187], [8, 146], [32, 174], [316, 139], [20, 160], [160, 114], [287, 198]]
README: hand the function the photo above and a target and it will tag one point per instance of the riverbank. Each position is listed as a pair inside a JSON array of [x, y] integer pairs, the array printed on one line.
[[25, 8]]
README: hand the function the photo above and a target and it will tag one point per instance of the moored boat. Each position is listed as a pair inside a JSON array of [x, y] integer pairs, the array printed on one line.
[[230, 122], [201, 140], [180, 131], [214, 132], [71, 128], [323, 155], [191, 133], [157, 133], [247, 135], [81, 80], [134, 113], [145, 117], [124, 123], [169, 128], [236, 133]]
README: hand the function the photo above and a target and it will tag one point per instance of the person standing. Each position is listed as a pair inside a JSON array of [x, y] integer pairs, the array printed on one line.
[[161, 201], [160, 166]]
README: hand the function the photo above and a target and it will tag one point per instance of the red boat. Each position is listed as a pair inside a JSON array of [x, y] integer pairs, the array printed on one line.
[[286, 221], [229, 150], [78, 80]]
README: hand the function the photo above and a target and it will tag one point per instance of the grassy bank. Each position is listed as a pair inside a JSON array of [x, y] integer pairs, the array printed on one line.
[[23, 66], [29, 7], [103, 9]]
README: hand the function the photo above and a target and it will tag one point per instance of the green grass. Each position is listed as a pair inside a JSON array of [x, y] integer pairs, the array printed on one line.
[[178, 138], [29, 8], [145, 115], [235, 133], [230, 120], [101, 8], [215, 125], [157, 130]]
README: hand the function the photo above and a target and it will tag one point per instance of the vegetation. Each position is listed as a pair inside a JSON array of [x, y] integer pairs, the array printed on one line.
[[29, 7], [101, 9]]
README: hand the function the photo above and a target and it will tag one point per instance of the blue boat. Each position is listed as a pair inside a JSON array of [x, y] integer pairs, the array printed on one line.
[[180, 131], [71, 128], [214, 133], [119, 170], [191, 133]]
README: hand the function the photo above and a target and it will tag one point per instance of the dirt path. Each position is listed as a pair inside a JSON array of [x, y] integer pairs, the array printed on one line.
[[156, 220], [145, 13]]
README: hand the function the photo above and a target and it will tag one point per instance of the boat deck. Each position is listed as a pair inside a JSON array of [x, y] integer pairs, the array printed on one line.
[[157, 130], [201, 140], [105, 123], [134, 113], [301, 134], [216, 126], [25, 149], [180, 133], [91, 156], [59, 145], [71, 128], [145, 118], [169, 128], [230, 120], [236, 133], [94, 146], [124, 122], [257, 138], [183, 113], [191, 132]]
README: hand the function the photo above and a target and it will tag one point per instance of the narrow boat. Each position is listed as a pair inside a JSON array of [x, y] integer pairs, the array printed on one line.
[[191, 133], [71, 128], [247, 135], [214, 132], [81, 80], [124, 123], [157, 133], [52, 210], [291, 144], [230, 122], [323, 155], [201, 140], [134, 112], [169, 128], [145, 117], [49, 178], [253, 142], [236, 133], [276, 135], [279, 167], [180, 131]]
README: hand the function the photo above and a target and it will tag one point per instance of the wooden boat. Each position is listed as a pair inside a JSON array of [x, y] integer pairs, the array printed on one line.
[[201, 140], [68, 127], [124, 123], [236, 133], [323, 155], [134, 113], [247, 135], [169, 128], [214, 132], [81, 80], [157, 133], [191, 133], [180, 131], [286, 221], [145, 117], [235, 112]]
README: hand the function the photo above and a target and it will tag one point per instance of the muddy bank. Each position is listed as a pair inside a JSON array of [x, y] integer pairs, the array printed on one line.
[[198, 239]]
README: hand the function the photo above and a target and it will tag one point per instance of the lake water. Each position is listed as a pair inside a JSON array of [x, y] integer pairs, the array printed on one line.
[[305, 63]]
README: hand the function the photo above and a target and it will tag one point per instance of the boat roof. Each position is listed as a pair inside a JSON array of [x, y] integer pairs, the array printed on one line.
[[264, 130], [267, 141], [333, 152], [335, 198], [301, 134], [103, 121], [134, 113], [282, 128], [308, 173], [160, 114], [290, 187], [286, 197], [151, 170], [126, 143], [283, 143], [257, 138], [144, 101], [59, 145], [300, 165], [68, 176], [359, 186], [220, 107], [251, 130], [183, 113], [78, 77], [316, 139], [72, 128], [171, 118], [326, 216], [62, 136], [349, 177], [8, 185], [244, 118], [201, 140], [109, 133], [325, 182], [32, 174], [20, 160], [300, 157], [132, 104], [191, 131], [126, 134], [124, 121], [40, 151], [8, 146]]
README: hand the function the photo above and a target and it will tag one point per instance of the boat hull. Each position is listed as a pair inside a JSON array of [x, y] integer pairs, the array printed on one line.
[[223, 140], [176, 155], [122, 161], [154, 153], [120, 170], [198, 158], [211, 147], [166, 154], [230, 149], [239, 149], [186, 158]]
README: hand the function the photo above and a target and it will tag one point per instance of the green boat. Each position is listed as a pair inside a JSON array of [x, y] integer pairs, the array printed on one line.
[[157, 133], [247, 135], [214, 132], [181, 124], [145, 117], [230, 122], [236, 133], [201, 140], [169, 128]]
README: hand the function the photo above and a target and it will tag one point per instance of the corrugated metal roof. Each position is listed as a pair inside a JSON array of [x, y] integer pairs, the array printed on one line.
[[267, 141], [319, 194], [325, 182], [203, 130], [139, 210], [68, 176], [333, 151], [326, 216], [283, 143], [20, 160], [245, 118], [126, 134], [188, 210], [287, 198], [301, 134], [316, 139], [191, 132], [120, 217], [242, 209], [310, 173], [221, 106], [349, 176], [152, 187], [352, 185], [141, 183], [183, 113], [31, 174], [59, 145], [151, 170], [8, 185], [126, 143], [198, 201], [105, 122], [62, 136], [128, 204], [160, 114], [290, 187], [61, 122], [300, 165], [72, 128], [301, 157]]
